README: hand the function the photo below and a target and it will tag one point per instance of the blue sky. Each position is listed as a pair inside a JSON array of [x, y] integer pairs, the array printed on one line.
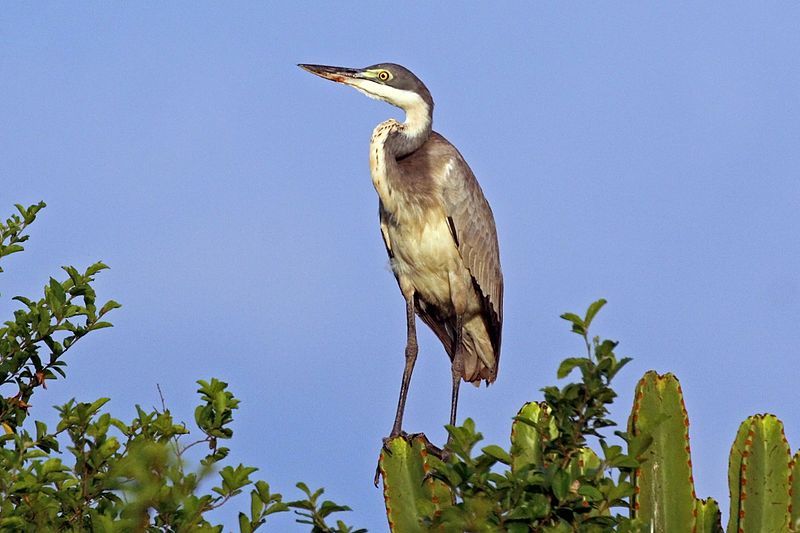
[[642, 152]]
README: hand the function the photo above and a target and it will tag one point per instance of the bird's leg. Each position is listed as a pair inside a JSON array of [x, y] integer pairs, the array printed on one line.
[[411, 358], [457, 369]]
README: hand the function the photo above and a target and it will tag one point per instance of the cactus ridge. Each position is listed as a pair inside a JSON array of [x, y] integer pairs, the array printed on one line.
[[735, 475]]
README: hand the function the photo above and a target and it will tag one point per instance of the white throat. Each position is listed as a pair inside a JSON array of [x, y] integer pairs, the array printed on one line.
[[418, 113]]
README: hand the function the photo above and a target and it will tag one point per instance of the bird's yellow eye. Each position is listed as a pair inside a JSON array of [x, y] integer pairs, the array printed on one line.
[[384, 75]]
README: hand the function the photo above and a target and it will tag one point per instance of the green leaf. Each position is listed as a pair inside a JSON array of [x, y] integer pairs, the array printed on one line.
[[569, 364], [10, 249], [74, 276], [108, 306], [590, 493], [59, 295], [244, 524], [97, 404], [624, 461], [561, 483], [496, 452], [575, 319], [95, 268], [256, 506], [41, 430], [594, 308]]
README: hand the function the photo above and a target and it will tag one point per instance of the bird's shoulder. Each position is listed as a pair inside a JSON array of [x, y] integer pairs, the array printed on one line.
[[434, 162], [437, 147]]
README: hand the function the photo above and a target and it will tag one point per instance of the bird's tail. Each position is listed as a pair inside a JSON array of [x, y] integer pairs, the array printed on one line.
[[480, 362], [480, 355]]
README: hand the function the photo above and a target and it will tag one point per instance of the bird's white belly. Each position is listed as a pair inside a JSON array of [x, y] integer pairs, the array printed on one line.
[[426, 257]]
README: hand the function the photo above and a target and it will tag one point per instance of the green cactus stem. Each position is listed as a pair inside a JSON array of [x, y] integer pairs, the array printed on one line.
[[795, 502], [582, 464], [707, 516], [526, 440], [410, 494], [759, 477], [664, 497], [734, 478]]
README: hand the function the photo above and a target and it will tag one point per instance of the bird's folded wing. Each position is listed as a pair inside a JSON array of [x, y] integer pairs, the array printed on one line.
[[473, 222]]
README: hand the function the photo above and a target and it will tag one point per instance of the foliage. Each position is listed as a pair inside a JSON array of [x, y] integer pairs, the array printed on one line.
[[95, 472]]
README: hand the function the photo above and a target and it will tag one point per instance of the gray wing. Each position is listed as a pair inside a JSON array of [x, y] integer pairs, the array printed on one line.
[[472, 223], [385, 231]]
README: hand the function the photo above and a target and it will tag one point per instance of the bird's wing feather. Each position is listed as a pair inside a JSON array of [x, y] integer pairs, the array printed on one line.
[[472, 221], [385, 230]]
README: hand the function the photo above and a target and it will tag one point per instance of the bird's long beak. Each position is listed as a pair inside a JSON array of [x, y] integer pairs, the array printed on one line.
[[337, 74]]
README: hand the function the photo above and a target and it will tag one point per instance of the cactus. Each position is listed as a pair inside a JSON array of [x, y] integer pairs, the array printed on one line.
[[585, 462], [555, 483], [762, 486], [759, 477], [410, 494], [531, 430], [795, 488], [413, 497], [526, 443], [707, 516], [734, 467], [664, 495]]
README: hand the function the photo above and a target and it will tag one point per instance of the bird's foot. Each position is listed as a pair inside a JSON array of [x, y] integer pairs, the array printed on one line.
[[388, 451], [440, 453], [393, 435]]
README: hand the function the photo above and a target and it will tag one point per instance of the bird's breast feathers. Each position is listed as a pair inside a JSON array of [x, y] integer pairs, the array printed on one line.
[[426, 257]]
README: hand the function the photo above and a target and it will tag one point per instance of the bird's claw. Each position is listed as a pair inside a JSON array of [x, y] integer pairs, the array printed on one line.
[[391, 437], [440, 453], [388, 451]]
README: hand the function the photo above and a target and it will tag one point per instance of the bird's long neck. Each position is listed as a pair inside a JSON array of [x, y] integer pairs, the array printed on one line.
[[414, 131], [392, 140]]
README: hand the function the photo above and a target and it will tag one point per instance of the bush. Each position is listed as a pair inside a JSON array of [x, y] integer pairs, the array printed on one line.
[[95, 472]]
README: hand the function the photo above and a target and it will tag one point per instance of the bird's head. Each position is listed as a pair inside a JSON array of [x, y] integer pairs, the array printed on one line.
[[389, 82]]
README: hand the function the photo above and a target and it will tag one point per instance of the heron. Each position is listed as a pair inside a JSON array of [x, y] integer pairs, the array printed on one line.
[[438, 229]]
